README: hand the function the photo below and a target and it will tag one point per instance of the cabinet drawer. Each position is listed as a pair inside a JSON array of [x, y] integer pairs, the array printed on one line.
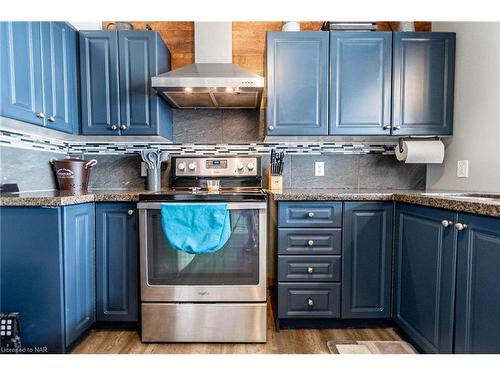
[[310, 214], [308, 300], [309, 241], [308, 268]]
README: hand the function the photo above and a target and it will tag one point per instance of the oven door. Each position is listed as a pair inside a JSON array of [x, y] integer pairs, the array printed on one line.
[[235, 273]]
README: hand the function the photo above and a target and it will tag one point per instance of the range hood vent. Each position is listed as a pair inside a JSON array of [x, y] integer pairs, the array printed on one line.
[[213, 81]]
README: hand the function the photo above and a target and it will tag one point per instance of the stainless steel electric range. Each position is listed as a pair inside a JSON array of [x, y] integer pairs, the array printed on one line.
[[216, 297]]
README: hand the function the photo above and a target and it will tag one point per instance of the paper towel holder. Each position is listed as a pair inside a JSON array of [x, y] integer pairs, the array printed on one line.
[[401, 140]]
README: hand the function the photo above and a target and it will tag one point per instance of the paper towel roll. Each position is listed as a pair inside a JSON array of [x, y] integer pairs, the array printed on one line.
[[429, 152]]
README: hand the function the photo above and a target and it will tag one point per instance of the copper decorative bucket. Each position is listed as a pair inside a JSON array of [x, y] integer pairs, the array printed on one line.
[[73, 174]]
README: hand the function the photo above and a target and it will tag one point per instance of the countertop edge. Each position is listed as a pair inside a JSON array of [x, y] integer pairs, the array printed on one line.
[[417, 198]]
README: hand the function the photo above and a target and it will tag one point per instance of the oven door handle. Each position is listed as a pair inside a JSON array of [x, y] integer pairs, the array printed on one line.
[[230, 205]]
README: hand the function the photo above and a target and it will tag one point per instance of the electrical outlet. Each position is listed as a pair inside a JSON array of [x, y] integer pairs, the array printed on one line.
[[319, 168], [144, 171], [463, 168]]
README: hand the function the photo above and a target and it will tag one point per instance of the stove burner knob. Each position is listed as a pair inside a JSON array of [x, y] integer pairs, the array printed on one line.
[[250, 166], [192, 166], [181, 166], [239, 166]]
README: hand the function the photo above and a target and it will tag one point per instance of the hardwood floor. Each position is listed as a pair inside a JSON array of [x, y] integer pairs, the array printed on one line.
[[287, 341]]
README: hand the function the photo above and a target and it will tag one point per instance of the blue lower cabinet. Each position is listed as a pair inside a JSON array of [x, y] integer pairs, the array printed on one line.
[[367, 260], [78, 270], [117, 251], [477, 327], [425, 273], [50, 281]]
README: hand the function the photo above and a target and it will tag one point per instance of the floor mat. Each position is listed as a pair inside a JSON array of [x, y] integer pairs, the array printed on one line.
[[370, 347]]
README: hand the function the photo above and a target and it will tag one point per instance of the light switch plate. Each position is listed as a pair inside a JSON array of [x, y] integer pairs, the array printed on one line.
[[462, 168], [319, 168]]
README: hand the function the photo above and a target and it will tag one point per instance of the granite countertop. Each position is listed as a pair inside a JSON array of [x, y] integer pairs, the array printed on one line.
[[449, 200], [57, 198], [439, 199]]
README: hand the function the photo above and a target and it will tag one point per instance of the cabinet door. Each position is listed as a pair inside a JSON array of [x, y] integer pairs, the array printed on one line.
[[137, 65], [360, 84], [425, 277], [78, 270], [478, 277], [367, 259], [117, 250], [21, 71], [297, 83], [423, 83], [59, 56], [31, 270], [99, 82]]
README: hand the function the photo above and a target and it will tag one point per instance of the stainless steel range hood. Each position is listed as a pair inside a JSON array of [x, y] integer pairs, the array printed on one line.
[[213, 81]]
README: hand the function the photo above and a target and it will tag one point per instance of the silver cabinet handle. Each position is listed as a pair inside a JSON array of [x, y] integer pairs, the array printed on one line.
[[397, 127], [387, 127], [51, 118], [446, 223], [40, 115], [270, 127], [310, 302], [130, 212], [310, 214], [310, 270], [114, 127], [310, 242], [460, 226], [123, 127]]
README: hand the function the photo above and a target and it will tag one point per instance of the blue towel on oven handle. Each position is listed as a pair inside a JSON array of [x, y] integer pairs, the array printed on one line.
[[196, 228]]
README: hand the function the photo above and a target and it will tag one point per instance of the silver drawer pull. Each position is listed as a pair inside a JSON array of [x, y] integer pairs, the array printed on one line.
[[114, 127], [123, 127], [130, 212], [310, 242], [310, 302], [40, 115], [310, 214], [460, 226], [310, 270]]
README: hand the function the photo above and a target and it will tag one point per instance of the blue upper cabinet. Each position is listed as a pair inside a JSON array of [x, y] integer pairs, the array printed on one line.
[[423, 83], [297, 83], [60, 76], [360, 83], [477, 327], [424, 278], [367, 260], [99, 82], [21, 72], [117, 253], [142, 55], [116, 71], [39, 74]]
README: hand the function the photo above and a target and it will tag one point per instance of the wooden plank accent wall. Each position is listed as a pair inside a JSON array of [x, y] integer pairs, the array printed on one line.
[[249, 39]]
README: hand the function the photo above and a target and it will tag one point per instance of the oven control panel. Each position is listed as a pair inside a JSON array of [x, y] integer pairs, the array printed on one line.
[[221, 167]]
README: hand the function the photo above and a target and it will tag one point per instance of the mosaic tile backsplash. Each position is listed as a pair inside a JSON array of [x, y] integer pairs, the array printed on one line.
[[24, 157]]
